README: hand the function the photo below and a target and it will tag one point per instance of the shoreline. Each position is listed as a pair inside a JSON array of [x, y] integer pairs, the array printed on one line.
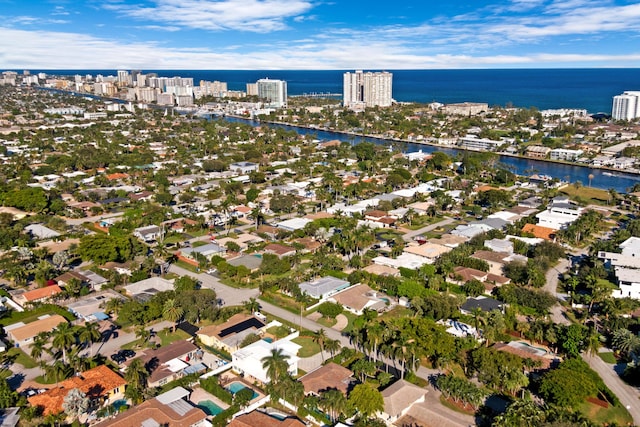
[[624, 173]]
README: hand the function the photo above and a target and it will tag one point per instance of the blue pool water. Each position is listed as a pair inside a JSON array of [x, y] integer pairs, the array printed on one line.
[[209, 407], [117, 404], [268, 339], [236, 387]]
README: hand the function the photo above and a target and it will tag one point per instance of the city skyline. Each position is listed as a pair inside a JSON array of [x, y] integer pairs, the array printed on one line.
[[308, 34]]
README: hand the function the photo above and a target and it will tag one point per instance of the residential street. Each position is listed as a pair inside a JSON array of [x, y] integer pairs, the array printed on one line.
[[551, 286], [410, 234], [629, 396]]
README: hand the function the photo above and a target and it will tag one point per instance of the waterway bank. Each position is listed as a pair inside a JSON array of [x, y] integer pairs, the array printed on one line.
[[599, 177]]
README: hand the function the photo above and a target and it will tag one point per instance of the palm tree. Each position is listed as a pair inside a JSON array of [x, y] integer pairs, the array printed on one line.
[[171, 311], [320, 337], [626, 342], [136, 376], [333, 402], [252, 305], [276, 364], [88, 334], [143, 334], [375, 335], [332, 346], [64, 337]]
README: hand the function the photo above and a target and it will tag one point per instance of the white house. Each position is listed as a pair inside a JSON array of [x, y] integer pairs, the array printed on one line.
[[248, 360], [244, 168], [398, 398], [559, 214], [324, 287], [149, 233]]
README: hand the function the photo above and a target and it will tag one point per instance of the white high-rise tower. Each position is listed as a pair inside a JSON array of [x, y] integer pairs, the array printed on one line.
[[274, 91], [626, 106], [367, 89]]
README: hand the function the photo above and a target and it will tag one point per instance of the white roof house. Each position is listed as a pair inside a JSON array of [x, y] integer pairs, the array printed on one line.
[[248, 360], [559, 214], [293, 224], [631, 247], [39, 231], [324, 287]]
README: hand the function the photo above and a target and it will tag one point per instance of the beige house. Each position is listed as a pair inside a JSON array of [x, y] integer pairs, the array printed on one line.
[[399, 397], [22, 334]]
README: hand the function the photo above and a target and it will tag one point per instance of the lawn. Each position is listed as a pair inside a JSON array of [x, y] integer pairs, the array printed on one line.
[[22, 358], [589, 194], [309, 348], [608, 357], [34, 314], [166, 337], [614, 415], [187, 266]]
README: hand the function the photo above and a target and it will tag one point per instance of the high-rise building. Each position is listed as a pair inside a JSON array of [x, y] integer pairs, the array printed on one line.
[[626, 106], [273, 91], [367, 89]]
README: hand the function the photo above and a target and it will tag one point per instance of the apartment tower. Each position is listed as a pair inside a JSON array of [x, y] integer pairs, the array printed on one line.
[[367, 89]]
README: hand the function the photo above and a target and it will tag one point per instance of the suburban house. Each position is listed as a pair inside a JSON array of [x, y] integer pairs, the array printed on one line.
[[149, 233], [243, 168], [169, 362], [540, 232], [40, 232], [626, 267], [251, 262], [327, 377], [247, 360], [85, 277], [559, 213], [497, 260], [143, 290], [358, 297], [37, 295], [485, 304], [399, 397], [261, 419], [22, 334], [230, 334], [429, 251], [279, 250], [208, 251], [323, 288], [101, 385], [170, 409]]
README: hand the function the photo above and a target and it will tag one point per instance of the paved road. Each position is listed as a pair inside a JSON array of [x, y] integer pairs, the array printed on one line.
[[78, 221], [629, 396], [230, 296], [409, 235], [551, 286]]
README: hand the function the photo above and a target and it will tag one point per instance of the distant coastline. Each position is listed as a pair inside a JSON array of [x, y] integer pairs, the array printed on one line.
[[544, 88]]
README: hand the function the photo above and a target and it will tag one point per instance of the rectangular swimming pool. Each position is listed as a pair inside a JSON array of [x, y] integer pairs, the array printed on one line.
[[209, 407], [236, 386]]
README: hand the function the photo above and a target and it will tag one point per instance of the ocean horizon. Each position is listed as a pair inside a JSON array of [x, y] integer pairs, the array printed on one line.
[[592, 89]]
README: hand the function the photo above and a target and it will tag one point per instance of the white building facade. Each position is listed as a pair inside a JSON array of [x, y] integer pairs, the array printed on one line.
[[626, 106], [369, 89], [273, 91]]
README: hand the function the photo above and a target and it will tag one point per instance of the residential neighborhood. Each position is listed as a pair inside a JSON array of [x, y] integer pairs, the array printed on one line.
[[164, 269]]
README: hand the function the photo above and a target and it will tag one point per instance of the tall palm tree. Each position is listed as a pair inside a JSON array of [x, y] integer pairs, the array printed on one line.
[[64, 337], [252, 305], [375, 335], [136, 376], [332, 346], [276, 364], [89, 334], [320, 337]]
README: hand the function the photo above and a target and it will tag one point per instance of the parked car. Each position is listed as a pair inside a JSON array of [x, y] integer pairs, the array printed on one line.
[[127, 354], [118, 358]]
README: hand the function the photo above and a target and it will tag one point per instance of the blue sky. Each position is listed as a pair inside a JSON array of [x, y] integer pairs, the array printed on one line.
[[318, 34]]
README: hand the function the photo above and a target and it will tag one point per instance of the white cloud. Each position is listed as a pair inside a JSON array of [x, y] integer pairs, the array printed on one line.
[[59, 50], [245, 15]]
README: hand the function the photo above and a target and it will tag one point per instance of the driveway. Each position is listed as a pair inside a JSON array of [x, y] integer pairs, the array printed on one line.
[[408, 236]]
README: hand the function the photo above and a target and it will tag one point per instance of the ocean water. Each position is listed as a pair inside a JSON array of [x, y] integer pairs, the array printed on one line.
[[591, 89]]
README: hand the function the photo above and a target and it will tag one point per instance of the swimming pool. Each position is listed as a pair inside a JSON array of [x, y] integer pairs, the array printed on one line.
[[268, 339], [209, 407], [235, 387]]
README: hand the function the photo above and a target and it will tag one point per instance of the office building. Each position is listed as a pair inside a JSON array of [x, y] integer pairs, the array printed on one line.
[[274, 92], [626, 106], [367, 89]]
